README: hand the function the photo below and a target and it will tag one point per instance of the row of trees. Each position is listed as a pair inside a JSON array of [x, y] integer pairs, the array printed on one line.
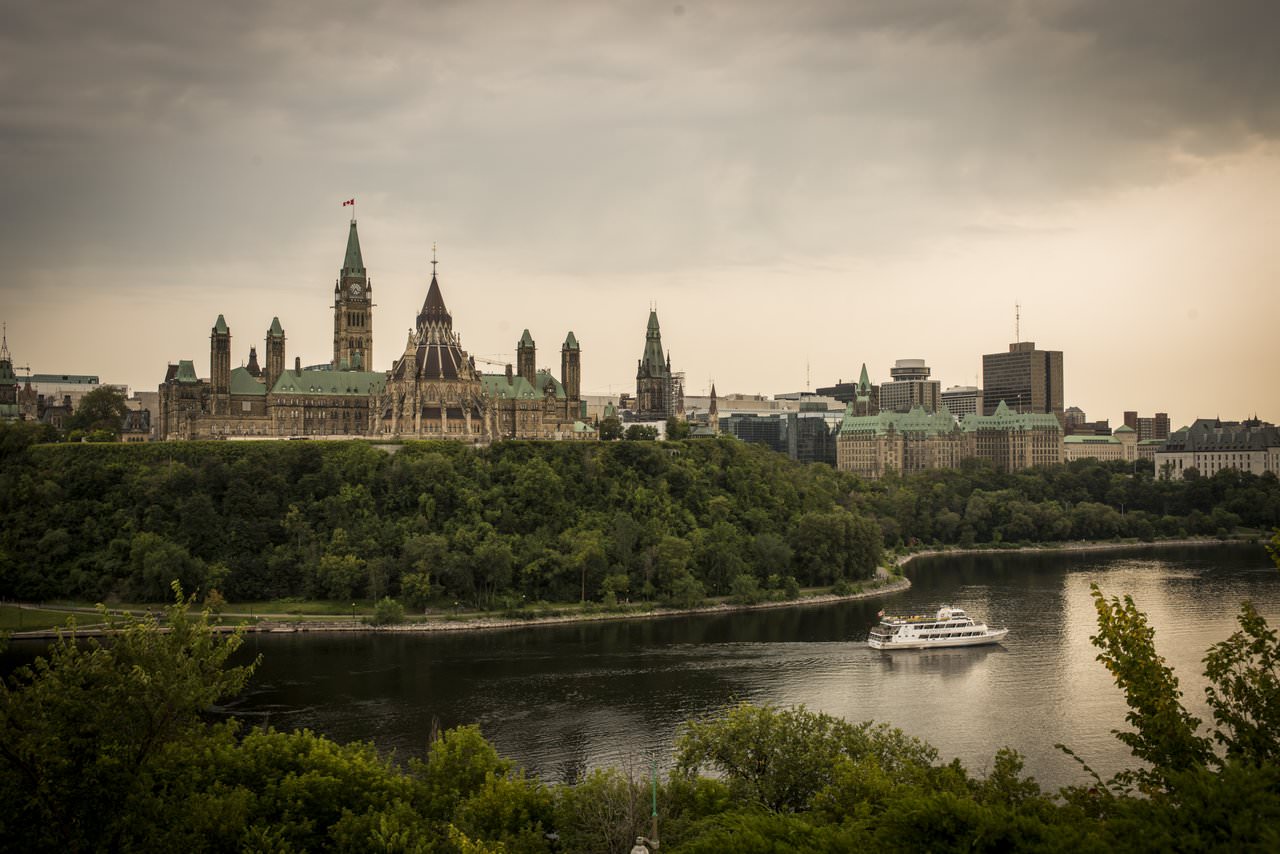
[[104, 747], [672, 521]]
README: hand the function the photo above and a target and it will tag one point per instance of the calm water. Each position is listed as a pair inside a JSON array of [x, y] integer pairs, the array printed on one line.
[[560, 700]]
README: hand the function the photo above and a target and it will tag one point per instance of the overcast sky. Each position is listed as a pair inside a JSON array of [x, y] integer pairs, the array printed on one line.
[[799, 187]]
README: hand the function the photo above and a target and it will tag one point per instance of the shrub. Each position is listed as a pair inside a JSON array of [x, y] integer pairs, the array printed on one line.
[[387, 612]]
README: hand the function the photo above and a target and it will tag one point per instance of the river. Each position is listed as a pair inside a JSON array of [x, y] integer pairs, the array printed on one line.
[[562, 699]]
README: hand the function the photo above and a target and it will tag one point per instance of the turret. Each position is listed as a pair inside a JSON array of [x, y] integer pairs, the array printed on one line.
[[275, 352], [571, 367], [526, 359], [220, 366], [713, 412], [352, 307]]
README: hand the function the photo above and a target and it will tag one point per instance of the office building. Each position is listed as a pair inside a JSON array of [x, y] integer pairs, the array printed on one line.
[[910, 387], [1027, 380], [1156, 427], [962, 400]]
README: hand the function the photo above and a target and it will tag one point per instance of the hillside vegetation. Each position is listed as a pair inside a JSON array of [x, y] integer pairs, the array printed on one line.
[[560, 522]]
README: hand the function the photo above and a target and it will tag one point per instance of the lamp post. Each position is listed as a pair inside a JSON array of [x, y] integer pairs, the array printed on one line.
[[353, 613]]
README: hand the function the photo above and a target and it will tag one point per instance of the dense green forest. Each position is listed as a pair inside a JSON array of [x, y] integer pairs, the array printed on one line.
[[105, 747], [558, 522]]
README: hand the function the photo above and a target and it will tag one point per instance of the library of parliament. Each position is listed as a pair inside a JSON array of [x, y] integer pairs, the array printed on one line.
[[432, 391]]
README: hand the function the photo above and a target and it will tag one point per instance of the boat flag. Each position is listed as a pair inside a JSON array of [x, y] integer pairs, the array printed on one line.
[[349, 202]]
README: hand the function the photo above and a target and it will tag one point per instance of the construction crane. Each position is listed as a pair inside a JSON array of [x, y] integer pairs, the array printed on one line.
[[489, 360]]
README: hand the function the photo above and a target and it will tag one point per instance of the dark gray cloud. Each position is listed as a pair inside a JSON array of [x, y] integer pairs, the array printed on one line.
[[609, 136]]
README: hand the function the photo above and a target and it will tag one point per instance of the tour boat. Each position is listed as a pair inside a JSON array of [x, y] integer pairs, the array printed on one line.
[[949, 627]]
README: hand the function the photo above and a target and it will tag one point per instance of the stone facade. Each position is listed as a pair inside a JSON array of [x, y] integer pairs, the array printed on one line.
[[659, 392], [1025, 379], [1120, 445], [873, 445], [433, 389], [1210, 445]]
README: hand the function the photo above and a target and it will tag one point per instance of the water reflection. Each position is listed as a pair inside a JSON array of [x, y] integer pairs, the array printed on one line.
[[564, 699], [942, 663]]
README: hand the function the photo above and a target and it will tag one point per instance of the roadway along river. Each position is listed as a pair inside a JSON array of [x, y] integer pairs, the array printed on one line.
[[562, 699]]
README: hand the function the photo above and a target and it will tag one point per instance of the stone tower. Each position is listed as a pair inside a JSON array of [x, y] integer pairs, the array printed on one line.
[[526, 358], [713, 412], [571, 368], [653, 376], [220, 367], [352, 311], [275, 353], [8, 379]]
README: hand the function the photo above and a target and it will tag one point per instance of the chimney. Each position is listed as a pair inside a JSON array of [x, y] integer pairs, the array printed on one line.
[[297, 366], [509, 376]]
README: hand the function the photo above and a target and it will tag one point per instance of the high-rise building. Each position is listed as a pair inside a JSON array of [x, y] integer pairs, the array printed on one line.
[[962, 400], [910, 387], [1026, 379], [1148, 428]]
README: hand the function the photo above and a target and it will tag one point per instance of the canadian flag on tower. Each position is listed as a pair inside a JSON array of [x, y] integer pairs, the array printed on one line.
[[349, 202]]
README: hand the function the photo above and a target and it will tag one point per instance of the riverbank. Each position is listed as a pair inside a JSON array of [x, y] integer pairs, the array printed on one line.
[[901, 561], [885, 584]]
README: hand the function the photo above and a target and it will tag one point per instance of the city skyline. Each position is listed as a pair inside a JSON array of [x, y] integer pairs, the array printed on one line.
[[800, 191]]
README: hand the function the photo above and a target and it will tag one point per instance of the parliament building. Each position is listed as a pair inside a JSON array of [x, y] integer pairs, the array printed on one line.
[[433, 390]]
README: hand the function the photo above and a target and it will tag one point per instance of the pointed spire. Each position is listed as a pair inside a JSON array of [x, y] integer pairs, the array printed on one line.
[[4, 344], [433, 309], [353, 263], [653, 363], [276, 330], [714, 408], [220, 327], [863, 380], [570, 343], [526, 340]]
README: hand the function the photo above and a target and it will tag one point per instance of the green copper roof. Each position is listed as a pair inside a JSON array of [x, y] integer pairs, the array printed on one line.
[[915, 421], [496, 386], [544, 377], [653, 364], [580, 427], [1125, 428], [353, 263], [570, 343], [359, 383], [863, 380], [1091, 440], [221, 326], [1005, 418], [276, 330], [526, 340], [186, 372], [243, 382]]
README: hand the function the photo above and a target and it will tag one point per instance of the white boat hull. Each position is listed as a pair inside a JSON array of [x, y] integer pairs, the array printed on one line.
[[992, 636]]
